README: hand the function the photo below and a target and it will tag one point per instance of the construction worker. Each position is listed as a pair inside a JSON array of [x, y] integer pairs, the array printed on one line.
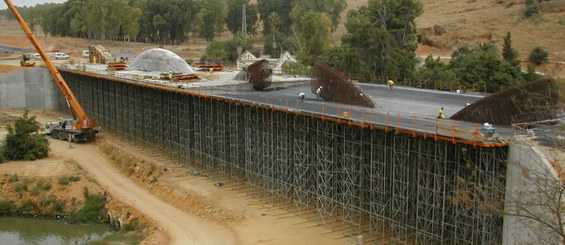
[[390, 84], [440, 114], [171, 75], [94, 59], [301, 95], [318, 92]]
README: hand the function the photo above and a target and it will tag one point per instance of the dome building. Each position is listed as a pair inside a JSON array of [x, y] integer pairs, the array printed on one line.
[[161, 60]]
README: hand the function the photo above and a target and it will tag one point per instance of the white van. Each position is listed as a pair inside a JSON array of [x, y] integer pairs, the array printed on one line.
[[37, 57], [61, 56], [85, 53]]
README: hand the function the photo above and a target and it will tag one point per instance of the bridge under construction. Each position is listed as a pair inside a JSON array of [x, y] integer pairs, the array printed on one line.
[[389, 178]]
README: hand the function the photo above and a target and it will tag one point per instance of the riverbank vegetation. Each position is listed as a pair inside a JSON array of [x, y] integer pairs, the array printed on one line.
[[59, 198]]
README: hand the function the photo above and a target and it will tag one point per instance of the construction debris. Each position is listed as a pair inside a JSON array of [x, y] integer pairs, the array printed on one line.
[[117, 66], [522, 104], [334, 87], [176, 77], [208, 66]]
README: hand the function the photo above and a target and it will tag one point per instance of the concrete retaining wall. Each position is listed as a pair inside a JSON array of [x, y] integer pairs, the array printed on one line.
[[31, 88], [529, 182]]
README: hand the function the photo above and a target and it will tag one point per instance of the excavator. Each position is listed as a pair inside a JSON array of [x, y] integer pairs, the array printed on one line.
[[81, 128]]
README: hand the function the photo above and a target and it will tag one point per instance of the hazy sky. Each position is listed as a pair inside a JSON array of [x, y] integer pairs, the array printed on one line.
[[20, 3]]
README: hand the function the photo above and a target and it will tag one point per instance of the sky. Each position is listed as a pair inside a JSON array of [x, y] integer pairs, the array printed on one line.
[[21, 3]]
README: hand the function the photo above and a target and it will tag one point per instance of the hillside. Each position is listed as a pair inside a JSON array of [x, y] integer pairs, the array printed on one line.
[[461, 22], [445, 24]]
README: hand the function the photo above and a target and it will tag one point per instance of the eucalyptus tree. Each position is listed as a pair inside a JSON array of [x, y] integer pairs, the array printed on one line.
[[166, 21], [212, 14]]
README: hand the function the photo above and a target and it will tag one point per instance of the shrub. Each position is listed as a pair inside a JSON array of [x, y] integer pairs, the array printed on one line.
[[26, 184], [63, 180], [538, 56], [19, 188], [46, 201], [24, 142], [532, 9], [43, 185], [91, 211], [74, 178], [35, 190], [13, 178], [27, 206], [297, 69], [6, 207]]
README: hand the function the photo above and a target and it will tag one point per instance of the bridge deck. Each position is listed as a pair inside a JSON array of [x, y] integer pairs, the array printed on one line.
[[404, 109]]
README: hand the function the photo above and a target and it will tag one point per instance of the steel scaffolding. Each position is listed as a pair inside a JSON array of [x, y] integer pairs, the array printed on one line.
[[391, 187]]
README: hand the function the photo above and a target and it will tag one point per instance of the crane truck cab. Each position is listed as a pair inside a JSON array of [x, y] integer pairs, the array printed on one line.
[[65, 129]]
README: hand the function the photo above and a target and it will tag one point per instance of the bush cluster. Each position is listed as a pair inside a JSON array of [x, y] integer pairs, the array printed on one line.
[[23, 141], [91, 211]]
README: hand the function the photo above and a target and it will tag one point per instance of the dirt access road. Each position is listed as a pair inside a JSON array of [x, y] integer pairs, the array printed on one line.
[[179, 226]]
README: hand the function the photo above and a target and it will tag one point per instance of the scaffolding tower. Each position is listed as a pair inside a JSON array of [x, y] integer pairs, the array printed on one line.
[[391, 187]]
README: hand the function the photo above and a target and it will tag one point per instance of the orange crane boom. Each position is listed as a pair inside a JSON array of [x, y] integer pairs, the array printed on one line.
[[83, 128]]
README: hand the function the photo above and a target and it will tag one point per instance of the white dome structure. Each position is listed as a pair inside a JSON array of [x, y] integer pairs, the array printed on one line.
[[161, 60]]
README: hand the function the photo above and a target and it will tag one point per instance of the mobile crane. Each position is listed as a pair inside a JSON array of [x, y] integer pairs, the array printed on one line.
[[81, 127]]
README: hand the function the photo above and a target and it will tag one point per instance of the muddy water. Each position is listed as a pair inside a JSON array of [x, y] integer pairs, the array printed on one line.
[[16, 231]]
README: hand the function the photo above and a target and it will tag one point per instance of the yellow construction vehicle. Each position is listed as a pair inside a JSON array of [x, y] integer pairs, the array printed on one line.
[[26, 61], [81, 127]]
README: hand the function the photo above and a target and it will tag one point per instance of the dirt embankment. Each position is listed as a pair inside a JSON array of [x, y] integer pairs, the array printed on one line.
[[147, 173]]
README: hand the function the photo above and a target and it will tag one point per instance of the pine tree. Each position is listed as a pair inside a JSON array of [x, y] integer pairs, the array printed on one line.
[[508, 53]]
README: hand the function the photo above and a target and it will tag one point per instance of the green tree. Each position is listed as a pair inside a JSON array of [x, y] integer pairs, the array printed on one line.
[[538, 56], [344, 58], [226, 51], [332, 8], [169, 21], [434, 70], [481, 66], [508, 53], [282, 8], [23, 141], [213, 14], [314, 38], [383, 35]]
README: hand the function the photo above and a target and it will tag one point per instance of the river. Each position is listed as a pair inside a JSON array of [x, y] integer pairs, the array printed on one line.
[[16, 231]]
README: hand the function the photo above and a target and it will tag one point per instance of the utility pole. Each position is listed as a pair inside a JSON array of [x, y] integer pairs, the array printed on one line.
[[244, 22]]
